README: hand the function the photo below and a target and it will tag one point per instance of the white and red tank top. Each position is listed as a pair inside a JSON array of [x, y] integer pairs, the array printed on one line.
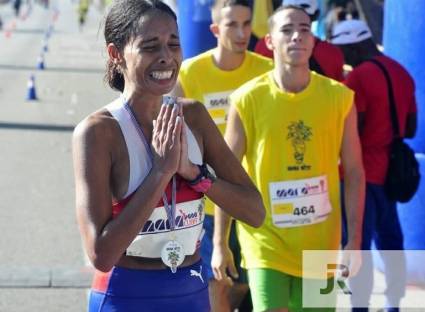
[[189, 214]]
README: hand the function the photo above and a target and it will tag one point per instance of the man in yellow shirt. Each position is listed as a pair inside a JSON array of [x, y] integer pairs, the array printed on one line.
[[210, 78], [291, 127]]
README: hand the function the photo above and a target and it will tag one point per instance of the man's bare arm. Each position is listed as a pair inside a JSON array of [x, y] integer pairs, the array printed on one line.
[[222, 261], [354, 179]]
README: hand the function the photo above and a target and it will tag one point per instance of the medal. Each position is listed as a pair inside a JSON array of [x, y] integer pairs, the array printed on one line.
[[172, 254]]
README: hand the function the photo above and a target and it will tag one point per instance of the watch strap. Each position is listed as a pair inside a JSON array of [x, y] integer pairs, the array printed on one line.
[[203, 181]]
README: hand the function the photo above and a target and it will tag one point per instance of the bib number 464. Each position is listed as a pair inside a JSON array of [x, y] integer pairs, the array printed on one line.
[[303, 211]]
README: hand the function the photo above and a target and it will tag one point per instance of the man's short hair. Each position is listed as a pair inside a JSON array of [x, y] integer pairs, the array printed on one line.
[[220, 4], [283, 8]]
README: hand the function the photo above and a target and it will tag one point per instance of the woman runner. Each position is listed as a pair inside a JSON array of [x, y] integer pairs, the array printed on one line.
[[141, 172]]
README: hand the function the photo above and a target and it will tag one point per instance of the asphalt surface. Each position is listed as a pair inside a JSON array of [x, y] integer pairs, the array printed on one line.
[[42, 263]]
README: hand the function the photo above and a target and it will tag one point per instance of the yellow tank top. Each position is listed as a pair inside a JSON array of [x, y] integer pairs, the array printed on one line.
[[203, 81], [292, 138]]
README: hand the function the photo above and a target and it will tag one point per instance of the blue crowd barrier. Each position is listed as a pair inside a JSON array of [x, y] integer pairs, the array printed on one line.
[[194, 23], [404, 27], [404, 42]]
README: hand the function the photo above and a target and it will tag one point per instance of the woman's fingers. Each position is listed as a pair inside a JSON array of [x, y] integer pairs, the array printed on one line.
[[179, 109], [183, 132], [170, 138], [165, 122], [166, 135], [177, 133], [217, 274], [155, 135], [163, 128], [159, 119]]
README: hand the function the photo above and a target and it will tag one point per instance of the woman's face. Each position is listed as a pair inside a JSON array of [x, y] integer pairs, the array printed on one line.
[[152, 59]]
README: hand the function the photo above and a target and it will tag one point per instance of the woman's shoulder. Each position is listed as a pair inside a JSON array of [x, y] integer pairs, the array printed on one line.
[[191, 106], [195, 113], [98, 124]]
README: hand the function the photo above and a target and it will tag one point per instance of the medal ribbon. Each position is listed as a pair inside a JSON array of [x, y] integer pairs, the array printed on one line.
[[170, 210]]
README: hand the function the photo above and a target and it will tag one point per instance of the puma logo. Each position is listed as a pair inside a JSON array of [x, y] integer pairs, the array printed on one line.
[[194, 273]]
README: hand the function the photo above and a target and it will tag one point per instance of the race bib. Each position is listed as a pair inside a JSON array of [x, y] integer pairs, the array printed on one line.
[[218, 105], [299, 202], [156, 231]]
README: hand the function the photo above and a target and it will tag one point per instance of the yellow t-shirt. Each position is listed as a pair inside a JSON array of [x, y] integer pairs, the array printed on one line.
[[203, 81], [291, 137]]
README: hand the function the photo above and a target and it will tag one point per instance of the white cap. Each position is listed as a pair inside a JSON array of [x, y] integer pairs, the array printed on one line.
[[350, 31], [310, 6]]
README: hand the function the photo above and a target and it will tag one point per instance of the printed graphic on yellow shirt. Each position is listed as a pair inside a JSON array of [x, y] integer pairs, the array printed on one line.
[[299, 133]]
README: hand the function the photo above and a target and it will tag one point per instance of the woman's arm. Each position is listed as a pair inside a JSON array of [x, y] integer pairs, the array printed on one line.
[[106, 239]]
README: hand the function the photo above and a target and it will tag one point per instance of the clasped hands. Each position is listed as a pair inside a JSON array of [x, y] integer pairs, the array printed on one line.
[[169, 143]]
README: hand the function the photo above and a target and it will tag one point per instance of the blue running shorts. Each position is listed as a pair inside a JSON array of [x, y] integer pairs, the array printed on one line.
[[132, 290]]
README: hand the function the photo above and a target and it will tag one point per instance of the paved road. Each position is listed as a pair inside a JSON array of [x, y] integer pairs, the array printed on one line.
[[42, 266]]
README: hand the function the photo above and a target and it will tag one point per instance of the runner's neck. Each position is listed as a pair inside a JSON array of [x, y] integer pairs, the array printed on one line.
[[227, 60], [292, 79]]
